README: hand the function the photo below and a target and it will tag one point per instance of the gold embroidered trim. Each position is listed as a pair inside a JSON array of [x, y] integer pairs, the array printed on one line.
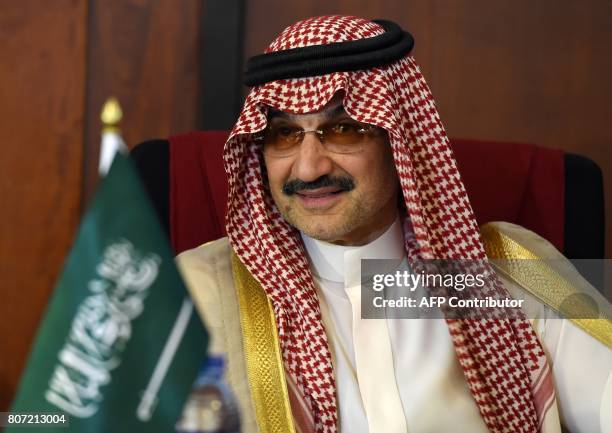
[[264, 363], [542, 281]]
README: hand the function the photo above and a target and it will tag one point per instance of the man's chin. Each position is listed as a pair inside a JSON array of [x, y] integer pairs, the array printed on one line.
[[322, 225], [322, 230]]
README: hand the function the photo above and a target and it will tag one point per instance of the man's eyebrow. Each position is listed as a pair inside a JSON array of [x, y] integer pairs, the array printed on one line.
[[327, 114], [334, 112], [273, 112]]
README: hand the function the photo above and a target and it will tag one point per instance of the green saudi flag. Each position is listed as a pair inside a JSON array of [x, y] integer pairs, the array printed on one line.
[[121, 344]]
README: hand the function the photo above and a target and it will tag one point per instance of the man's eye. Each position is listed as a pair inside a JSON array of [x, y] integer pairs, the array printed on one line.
[[344, 128], [284, 131]]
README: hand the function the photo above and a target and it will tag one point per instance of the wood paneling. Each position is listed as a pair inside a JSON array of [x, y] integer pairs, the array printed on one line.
[[42, 76], [60, 61], [147, 53], [536, 72]]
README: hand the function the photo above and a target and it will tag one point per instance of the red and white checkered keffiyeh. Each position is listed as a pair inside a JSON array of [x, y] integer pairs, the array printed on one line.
[[502, 360]]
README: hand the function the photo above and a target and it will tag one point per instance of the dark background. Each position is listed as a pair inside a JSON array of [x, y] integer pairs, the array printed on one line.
[[537, 72]]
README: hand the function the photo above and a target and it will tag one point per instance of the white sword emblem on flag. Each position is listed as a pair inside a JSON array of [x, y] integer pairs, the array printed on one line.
[[149, 396]]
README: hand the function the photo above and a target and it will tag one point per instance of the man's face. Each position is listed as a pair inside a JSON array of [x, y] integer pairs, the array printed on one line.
[[343, 197]]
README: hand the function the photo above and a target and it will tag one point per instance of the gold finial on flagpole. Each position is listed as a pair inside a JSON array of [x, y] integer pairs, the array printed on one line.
[[111, 136], [111, 114]]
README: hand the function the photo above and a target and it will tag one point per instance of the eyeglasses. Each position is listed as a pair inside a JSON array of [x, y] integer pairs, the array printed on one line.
[[339, 137]]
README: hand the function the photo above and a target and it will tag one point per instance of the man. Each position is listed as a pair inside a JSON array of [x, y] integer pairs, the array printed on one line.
[[339, 155]]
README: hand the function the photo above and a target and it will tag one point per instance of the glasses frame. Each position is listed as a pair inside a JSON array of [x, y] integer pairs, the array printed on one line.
[[298, 136]]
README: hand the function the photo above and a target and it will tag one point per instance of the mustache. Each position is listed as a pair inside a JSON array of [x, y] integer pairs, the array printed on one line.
[[296, 185]]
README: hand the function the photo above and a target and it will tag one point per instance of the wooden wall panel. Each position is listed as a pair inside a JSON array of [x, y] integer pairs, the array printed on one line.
[[147, 53], [42, 76], [536, 72], [60, 61]]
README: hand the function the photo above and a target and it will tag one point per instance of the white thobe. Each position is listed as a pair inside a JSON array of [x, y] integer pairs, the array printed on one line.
[[398, 375]]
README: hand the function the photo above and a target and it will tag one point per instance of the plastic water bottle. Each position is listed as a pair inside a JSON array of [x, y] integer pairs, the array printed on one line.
[[211, 406]]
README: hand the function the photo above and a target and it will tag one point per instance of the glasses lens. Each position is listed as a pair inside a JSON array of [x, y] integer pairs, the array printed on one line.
[[346, 136], [281, 140], [343, 133]]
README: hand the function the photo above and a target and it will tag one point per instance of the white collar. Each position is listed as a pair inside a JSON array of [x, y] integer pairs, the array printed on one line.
[[330, 261]]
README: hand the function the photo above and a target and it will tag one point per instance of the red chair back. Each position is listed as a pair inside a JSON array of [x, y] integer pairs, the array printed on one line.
[[518, 183]]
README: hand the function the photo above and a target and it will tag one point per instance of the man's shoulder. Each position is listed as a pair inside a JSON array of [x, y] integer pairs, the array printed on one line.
[[206, 256], [528, 262], [501, 237], [529, 259], [207, 272]]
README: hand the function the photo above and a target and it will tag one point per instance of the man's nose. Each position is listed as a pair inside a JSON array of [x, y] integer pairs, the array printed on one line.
[[312, 160]]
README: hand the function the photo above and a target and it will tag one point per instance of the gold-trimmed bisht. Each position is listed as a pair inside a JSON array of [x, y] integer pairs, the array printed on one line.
[[551, 285], [264, 364]]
